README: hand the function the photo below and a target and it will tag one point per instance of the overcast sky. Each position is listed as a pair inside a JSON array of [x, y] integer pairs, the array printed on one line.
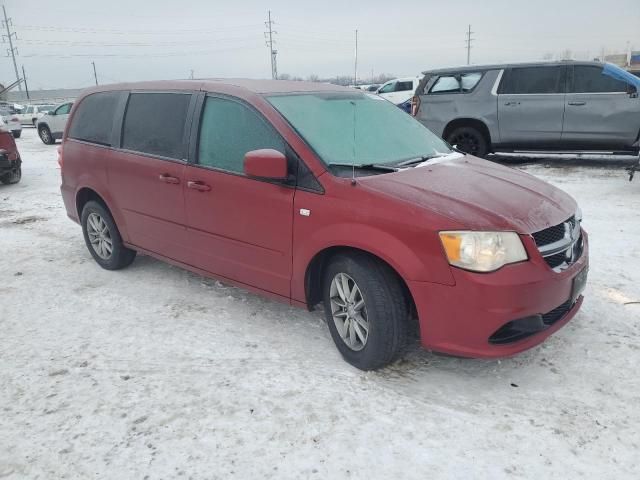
[[137, 40]]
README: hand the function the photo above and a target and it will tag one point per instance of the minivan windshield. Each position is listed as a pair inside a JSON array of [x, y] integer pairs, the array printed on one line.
[[346, 128]]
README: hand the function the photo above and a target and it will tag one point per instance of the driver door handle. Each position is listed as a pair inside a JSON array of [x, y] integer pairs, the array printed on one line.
[[166, 178], [196, 185]]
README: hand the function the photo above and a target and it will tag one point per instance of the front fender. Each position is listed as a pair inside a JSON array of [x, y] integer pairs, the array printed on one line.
[[427, 264]]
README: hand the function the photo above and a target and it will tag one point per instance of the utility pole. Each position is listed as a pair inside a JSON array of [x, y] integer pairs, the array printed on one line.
[[468, 42], [191, 76], [26, 87], [270, 43], [95, 75], [11, 36], [355, 69]]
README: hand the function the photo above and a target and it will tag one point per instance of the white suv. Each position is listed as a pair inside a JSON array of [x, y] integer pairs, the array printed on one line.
[[399, 90], [51, 126], [31, 113]]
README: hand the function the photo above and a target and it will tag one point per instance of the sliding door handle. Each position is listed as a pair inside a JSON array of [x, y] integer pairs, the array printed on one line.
[[166, 178], [577, 104]]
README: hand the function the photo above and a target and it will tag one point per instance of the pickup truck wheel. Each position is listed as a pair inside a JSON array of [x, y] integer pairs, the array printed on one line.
[[13, 176], [366, 310], [45, 135], [469, 140], [103, 238]]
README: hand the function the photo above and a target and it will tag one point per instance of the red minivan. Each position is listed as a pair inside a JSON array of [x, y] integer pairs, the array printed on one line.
[[312, 193]]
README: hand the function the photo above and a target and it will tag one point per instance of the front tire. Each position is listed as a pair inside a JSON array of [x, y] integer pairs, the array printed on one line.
[[45, 135], [470, 140], [16, 133], [366, 310], [13, 176], [103, 239]]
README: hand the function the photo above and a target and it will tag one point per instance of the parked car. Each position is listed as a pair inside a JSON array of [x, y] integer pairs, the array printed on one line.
[[366, 88], [313, 193], [399, 90], [564, 106], [31, 113], [11, 120], [10, 162], [51, 126]]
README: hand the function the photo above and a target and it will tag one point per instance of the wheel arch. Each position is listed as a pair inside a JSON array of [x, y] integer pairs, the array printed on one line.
[[480, 125], [315, 270], [86, 194]]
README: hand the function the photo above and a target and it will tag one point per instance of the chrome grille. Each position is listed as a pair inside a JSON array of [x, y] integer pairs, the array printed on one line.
[[560, 245]]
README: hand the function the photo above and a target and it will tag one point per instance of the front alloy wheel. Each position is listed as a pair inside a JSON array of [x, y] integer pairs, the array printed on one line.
[[349, 311]]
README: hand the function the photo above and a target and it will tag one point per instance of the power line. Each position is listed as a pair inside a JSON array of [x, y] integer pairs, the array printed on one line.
[[270, 43], [468, 41], [11, 51]]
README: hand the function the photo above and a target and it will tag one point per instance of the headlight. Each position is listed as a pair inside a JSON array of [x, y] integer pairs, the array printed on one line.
[[482, 251]]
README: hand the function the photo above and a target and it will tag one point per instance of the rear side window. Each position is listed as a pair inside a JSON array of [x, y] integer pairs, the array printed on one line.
[[588, 79], [93, 121], [456, 83], [532, 80], [154, 123], [404, 86], [230, 129]]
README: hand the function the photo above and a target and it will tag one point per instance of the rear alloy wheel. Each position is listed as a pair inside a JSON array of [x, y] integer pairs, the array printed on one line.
[[366, 309], [13, 176], [45, 135], [469, 140], [103, 238]]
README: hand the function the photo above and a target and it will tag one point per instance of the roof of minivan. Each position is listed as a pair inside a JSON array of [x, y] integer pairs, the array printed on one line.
[[259, 87], [500, 66]]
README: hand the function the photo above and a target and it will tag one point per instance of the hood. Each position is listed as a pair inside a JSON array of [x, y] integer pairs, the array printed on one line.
[[478, 194]]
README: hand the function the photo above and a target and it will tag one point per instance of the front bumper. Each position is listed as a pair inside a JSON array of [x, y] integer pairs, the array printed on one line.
[[461, 319]]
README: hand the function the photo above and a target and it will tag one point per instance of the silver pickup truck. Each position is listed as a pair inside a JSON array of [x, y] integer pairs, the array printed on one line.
[[559, 106]]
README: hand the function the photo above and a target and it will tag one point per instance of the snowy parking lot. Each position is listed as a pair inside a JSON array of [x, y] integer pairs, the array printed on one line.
[[155, 372]]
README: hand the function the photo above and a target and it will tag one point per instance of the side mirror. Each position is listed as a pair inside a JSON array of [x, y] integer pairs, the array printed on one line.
[[52, 112], [265, 163]]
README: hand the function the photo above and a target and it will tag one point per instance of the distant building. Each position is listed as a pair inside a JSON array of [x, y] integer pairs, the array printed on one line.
[[44, 96]]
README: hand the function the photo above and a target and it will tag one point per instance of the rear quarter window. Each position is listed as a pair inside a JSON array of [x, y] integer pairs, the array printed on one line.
[[462, 83], [94, 118]]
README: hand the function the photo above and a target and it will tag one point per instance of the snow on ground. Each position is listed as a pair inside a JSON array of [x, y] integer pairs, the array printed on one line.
[[154, 372]]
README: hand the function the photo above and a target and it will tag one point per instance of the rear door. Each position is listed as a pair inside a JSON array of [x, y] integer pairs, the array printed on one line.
[[146, 176], [239, 227], [531, 106], [600, 111]]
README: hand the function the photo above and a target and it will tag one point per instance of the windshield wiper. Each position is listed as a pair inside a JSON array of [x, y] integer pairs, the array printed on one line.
[[417, 160], [366, 166]]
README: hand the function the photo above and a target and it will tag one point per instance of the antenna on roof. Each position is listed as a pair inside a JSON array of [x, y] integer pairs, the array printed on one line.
[[353, 165]]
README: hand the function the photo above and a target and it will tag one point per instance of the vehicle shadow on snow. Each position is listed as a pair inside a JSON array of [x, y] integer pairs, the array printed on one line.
[[414, 366]]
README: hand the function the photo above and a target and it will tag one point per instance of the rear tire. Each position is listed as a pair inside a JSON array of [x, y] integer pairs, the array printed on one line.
[[13, 176], [45, 135], [373, 334], [103, 239], [469, 140], [16, 133]]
